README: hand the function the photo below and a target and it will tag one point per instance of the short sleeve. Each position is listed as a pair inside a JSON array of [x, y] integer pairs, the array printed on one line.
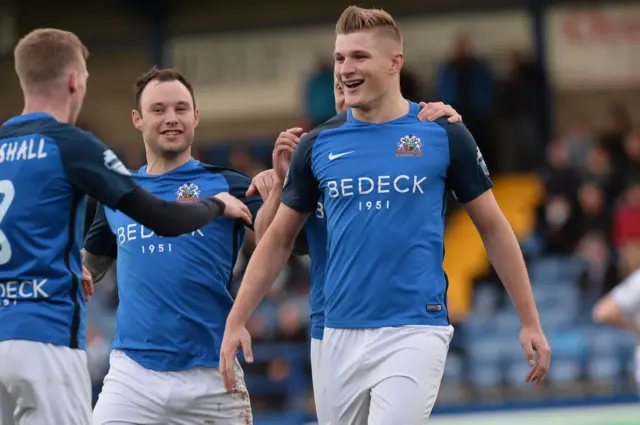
[[627, 295], [467, 175], [238, 185], [93, 168], [300, 191], [100, 239]]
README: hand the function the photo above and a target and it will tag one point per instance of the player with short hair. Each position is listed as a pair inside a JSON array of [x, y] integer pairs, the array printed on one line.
[[47, 165], [174, 295], [383, 176], [315, 233]]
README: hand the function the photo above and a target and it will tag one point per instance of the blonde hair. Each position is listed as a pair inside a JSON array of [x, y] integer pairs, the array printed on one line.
[[44, 55], [355, 19]]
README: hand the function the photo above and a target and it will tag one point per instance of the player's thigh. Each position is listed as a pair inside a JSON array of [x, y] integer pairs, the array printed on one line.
[[409, 373], [7, 405], [347, 385], [131, 394], [210, 402], [318, 379], [50, 384]]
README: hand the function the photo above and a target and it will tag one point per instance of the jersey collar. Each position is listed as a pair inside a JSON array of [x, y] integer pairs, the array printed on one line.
[[414, 109], [192, 163], [28, 117]]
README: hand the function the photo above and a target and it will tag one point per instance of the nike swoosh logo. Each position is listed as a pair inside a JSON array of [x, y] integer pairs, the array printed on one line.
[[336, 156]]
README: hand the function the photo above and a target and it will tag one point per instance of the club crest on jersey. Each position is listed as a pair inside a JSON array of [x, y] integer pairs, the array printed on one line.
[[409, 146], [188, 192]]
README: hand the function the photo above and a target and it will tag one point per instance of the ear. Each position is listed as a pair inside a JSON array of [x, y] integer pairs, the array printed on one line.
[[196, 113], [72, 81], [137, 119], [397, 60]]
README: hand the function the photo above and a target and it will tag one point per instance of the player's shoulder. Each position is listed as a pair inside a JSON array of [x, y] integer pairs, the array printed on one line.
[[456, 132], [332, 123], [231, 175]]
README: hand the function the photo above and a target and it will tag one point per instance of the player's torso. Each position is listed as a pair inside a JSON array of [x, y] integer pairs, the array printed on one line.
[[384, 192], [173, 291], [41, 219]]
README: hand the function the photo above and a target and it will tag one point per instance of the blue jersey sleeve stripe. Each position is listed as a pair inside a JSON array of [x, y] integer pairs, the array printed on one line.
[[467, 174], [238, 183]]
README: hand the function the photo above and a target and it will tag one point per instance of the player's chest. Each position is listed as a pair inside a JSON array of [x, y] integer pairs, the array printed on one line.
[[390, 163], [137, 239]]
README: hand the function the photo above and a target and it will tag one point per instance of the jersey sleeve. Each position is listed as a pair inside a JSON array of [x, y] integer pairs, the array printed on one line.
[[627, 295], [100, 239], [238, 185], [300, 191], [93, 168], [467, 175]]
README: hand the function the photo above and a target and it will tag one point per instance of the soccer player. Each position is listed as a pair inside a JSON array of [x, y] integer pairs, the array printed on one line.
[[383, 175], [315, 232], [47, 165], [621, 308], [173, 292]]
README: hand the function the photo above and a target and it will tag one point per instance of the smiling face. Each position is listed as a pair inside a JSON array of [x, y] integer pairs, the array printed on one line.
[[167, 117], [366, 67]]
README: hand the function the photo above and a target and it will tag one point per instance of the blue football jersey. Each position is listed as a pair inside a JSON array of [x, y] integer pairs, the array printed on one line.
[[384, 188], [173, 291], [46, 168], [316, 230]]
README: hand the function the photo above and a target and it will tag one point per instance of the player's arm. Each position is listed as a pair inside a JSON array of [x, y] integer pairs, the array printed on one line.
[[95, 170], [100, 246], [620, 306], [468, 177], [283, 150], [299, 198]]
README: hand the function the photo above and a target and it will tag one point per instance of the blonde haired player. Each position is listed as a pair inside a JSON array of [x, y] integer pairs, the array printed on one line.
[[47, 166], [383, 176], [315, 232]]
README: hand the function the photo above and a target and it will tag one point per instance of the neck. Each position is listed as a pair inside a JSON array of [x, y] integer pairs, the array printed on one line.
[[387, 108], [56, 109], [159, 164]]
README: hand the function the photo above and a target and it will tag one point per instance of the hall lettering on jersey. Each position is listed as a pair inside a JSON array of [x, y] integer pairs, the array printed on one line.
[[381, 184], [25, 150], [13, 290]]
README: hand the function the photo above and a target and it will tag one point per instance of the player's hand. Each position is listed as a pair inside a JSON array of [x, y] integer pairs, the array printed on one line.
[[262, 184], [532, 340], [433, 110], [234, 208], [87, 284], [283, 150], [233, 339]]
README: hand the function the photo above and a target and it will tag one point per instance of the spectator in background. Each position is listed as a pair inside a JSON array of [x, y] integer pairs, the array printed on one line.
[[626, 225], [579, 142], [466, 83], [617, 126], [318, 94], [592, 214], [519, 101], [560, 178], [630, 168], [556, 225]]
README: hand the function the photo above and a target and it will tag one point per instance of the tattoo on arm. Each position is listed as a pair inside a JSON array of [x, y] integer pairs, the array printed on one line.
[[98, 265]]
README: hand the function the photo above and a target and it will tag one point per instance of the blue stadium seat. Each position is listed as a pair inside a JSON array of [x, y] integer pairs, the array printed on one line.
[[454, 368]]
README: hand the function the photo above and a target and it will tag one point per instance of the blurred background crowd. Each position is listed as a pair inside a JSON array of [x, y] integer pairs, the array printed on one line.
[[549, 89]]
